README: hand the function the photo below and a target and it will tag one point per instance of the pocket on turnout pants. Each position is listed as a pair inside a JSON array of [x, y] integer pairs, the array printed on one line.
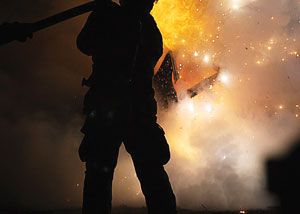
[[148, 144]]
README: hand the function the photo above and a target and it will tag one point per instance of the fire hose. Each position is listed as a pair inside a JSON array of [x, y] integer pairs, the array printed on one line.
[[10, 32]]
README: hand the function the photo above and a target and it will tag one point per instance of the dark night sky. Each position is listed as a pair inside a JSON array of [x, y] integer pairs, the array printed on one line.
[[40, 109]]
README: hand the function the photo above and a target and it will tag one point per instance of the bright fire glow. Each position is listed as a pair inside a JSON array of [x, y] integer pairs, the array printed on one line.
[[206, 58], [190, 106], [208, 108], [172, 18], [235, 6], [224, 78]]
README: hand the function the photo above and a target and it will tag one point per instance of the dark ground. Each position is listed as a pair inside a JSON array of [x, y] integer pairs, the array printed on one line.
[[128, 210]]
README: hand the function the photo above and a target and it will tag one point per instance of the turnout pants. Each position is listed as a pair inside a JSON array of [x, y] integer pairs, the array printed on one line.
[[149, 150]]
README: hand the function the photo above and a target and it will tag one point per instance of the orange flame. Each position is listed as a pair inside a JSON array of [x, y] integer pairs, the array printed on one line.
[[187, 32]]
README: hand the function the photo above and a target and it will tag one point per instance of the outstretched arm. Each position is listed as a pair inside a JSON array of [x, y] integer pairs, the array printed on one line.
[[21, 31], [15, 31]]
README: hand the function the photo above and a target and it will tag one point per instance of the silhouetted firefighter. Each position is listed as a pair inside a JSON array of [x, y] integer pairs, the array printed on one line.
[[125, 45], [284, 179]]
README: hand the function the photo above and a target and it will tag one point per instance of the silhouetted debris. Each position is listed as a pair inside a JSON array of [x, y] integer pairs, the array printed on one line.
[[163, 82], [203, 85]]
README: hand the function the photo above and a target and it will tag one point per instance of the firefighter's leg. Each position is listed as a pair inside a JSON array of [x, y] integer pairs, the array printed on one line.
[[156, 187], [150, 151], [97, 193]]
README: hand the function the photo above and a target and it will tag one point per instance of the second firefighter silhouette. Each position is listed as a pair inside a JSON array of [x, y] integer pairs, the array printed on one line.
[[125, 45]]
